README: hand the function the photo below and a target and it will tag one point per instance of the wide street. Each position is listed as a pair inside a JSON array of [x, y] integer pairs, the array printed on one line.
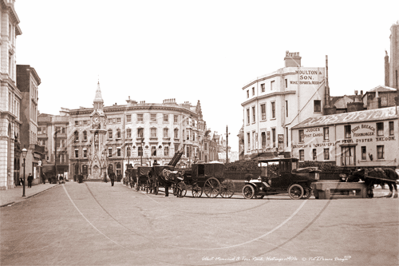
[[95, 224]]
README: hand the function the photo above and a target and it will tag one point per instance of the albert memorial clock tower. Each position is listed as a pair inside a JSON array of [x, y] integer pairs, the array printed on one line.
[[97, 152]]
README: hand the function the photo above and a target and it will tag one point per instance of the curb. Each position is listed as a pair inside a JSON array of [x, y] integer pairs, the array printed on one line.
[[31, 196]]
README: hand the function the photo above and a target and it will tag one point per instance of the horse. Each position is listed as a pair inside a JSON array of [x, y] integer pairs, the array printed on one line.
[[385, 173]]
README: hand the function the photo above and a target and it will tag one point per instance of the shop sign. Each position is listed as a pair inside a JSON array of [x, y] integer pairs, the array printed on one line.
[[313, 132]]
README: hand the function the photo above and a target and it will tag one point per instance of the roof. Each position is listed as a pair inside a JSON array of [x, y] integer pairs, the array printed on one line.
[[346, 118], [341, 102]]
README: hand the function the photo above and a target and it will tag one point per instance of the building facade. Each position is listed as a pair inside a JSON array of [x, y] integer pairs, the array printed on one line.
[[137, 133], [10, 97], [276, 102], [52, 135], [28, 83], [356, 139]]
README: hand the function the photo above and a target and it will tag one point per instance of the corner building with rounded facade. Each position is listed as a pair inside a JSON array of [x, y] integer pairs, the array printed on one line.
[[277, 101], [137, 133]]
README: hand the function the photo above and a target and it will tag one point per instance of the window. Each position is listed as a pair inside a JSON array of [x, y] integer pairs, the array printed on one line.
[[110, 152], [391, 128], [317, 106], [85, 153], [380, 129], [153, 151], [153, 117], [286, 83], [85, 122], [301, 155], [153, 132], [140, 118], [76, 153], [165, 117], [347, 129], [84, 136], [118, 151], [128, 152], [118, 120], [247, 93], [110, 133], [175, 119], [253, 115], [262, 86], [76, 136], [364, 153], [326, 154], [286, 136], [166, 132], [188, 135], [140, 132], [248, 117], [286, 108], [272, 84], [76, 123], [166, 151], [263, 136], [176, 133], [380, 152], [301, 135], [314, 153], [109, 120], [129, 133], [263, 111], [118, 133], [273, 109], [249, 140], [253, 91], [274, 137], [176, 146], [326, 133], [140, 151], [129, 118]]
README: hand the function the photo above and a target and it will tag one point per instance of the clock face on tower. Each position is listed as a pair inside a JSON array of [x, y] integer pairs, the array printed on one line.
[[96, 120]]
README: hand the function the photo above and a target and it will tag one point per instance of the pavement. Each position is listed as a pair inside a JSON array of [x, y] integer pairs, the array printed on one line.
[[14, 195]]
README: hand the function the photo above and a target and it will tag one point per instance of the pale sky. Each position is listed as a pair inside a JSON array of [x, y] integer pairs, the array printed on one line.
[[196, 50]]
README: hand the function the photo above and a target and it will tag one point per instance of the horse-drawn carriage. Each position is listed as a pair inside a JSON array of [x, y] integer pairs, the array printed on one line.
[[208, 178]]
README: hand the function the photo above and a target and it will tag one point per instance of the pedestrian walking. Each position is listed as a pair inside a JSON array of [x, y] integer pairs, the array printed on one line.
[[30, 179], [112, 177]]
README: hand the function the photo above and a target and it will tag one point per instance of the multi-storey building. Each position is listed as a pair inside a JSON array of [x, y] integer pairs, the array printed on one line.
[[52, 134], [355, 139], [28, 83], [10, 96], [275, 102], [136, 133]]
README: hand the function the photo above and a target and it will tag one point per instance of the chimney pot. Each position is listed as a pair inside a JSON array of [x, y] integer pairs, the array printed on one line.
[[356, 92]]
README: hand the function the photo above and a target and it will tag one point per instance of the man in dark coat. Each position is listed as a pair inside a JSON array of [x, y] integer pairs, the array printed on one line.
[[30, 179], [112, 177]]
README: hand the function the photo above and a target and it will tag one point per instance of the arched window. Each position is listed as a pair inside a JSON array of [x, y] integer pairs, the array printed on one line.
[[118, 133], [128, 152], [176, 133], [84, 136], [76, 134], [153, 151], [110, 133], [140, 151], [128, 133]]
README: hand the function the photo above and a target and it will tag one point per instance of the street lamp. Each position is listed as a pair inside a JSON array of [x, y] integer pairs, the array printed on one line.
[[24, 152]]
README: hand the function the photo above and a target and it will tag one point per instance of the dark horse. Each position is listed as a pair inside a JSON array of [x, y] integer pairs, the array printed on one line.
[[375, 176]]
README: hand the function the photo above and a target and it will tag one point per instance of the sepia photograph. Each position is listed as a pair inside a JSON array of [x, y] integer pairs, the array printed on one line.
[[199, 133]]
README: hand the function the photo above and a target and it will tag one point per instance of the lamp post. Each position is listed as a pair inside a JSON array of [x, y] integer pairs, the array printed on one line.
[[24, 152]]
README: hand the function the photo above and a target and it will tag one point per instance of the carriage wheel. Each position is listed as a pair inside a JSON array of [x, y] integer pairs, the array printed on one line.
[[227, 189], [248, 191], [181, 189], [196, 191], [295, 191], [212, 187], [307, 192]]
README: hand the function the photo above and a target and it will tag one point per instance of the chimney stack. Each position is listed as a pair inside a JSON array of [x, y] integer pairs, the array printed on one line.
[[386, 67], [292, 59]]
